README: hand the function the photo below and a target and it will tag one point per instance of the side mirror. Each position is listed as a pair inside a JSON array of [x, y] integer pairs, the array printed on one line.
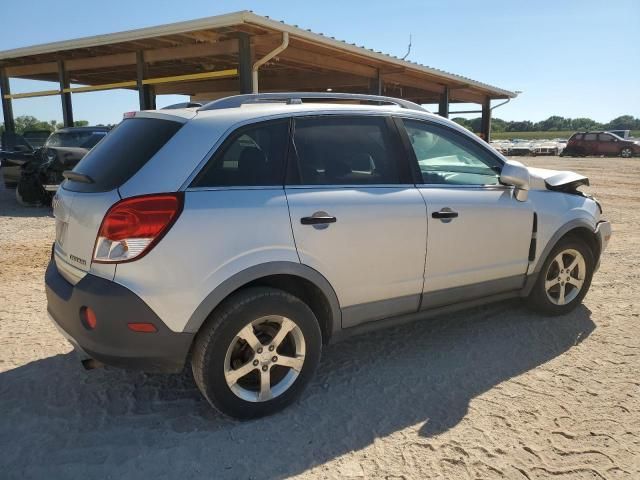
[[516, 174]]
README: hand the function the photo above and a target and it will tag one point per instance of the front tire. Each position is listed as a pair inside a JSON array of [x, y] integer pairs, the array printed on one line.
[[29, 193], [626, 152], [564, 279], [256, 353]]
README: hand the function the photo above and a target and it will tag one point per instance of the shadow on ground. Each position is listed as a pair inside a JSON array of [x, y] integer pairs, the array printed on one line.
[[59, 421], [9, 206]]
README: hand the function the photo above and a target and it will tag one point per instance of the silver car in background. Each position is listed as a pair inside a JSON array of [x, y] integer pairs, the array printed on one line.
[[243, 235]]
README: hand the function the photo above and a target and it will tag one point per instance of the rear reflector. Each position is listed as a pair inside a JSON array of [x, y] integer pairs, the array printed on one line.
[[88, 318], [142, 327], [133, 226]]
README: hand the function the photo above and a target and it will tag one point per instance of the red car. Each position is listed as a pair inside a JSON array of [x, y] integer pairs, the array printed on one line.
[[600, 143]]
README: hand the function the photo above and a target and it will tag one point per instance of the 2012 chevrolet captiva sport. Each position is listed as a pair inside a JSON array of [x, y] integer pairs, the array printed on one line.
[[243, 235]]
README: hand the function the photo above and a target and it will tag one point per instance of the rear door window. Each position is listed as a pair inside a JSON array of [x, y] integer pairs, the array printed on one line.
[[252, 156], [124, 151], [591, 137], [345, 151]]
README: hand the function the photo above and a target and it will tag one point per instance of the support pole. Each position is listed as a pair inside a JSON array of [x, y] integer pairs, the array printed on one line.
[[146, 93], [486, 120], [7, 108], [443, 109], [376, 84], [245, 63], [65, 97]]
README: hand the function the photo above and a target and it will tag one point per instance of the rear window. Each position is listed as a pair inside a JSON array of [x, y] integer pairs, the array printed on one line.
[[252, 156], [82, 139], [124, 151]]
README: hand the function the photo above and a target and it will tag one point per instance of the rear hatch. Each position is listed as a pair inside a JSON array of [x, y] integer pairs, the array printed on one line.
[[88, 193]]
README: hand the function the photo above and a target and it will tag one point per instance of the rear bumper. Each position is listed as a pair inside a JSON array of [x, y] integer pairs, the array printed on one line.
[[111, 342]]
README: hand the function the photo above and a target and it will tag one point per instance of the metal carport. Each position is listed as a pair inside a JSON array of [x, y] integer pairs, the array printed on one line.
[[228, 54]]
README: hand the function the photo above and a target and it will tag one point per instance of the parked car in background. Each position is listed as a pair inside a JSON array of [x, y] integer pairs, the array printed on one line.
[[501, 146], [18, 149], [41, 175], [521, 148], [242, 238], [548, 147], [600, 143], [624, 134]]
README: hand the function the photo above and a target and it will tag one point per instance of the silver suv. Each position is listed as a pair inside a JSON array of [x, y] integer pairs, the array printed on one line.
[[243, 235]]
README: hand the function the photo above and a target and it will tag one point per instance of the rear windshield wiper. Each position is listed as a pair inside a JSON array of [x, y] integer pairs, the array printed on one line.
[[77, 177]]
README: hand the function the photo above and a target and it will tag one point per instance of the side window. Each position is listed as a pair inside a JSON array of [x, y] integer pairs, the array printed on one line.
[[251, 156], [576, 137], [335, 150], [604, 137], [446, 157], [590, 137]]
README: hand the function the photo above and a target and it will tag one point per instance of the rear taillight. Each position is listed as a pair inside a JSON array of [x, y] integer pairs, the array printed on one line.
[[133, 226]]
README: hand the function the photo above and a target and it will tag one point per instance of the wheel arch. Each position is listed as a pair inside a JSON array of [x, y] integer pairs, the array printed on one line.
[[578, 228], [300, 280]]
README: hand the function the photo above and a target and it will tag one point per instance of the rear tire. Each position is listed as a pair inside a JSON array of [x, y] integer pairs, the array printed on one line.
[[256, 353], [564, 279]]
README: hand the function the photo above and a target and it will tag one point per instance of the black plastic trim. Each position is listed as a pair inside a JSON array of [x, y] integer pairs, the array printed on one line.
[[111, 342]]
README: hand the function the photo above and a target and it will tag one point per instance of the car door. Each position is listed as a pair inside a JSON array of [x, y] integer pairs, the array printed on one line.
[[590, 143], [356, 216], [607, 144], [478, 234]]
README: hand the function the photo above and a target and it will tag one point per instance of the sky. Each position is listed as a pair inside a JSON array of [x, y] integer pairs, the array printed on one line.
[[574, 58]]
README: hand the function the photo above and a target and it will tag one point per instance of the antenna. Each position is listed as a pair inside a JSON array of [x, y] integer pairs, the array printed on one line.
[[408, 49]]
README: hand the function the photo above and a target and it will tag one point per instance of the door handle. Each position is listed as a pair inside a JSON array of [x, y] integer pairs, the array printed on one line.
[[318, 220], [445, 214]]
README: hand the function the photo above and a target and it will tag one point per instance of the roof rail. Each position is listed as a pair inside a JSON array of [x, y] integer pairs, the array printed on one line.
[[295, 98]]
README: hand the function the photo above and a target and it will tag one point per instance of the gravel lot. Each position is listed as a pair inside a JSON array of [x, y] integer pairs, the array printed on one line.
[[496, 392]]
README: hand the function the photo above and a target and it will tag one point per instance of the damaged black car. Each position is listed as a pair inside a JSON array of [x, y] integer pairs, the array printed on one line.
[[41, 176]]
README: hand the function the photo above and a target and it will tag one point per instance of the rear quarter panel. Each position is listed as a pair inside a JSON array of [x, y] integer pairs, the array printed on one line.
[[219, 233]]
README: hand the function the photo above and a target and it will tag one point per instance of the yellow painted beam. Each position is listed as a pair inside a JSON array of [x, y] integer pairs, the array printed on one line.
[[192, 76], [42, 93], [131, 83], [104, 86]]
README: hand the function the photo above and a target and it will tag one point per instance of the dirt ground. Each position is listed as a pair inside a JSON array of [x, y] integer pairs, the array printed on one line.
[[496, 392]]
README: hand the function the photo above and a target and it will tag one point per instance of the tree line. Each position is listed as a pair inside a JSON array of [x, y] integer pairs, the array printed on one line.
[[24, 123], [552, 124]]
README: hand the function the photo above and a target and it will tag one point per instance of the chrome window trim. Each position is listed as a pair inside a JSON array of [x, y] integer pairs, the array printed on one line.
[[479, 187], [351, 186], [235, 187]]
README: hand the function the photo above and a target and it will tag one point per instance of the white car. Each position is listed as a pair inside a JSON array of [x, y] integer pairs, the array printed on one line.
[[548, 147], [242, 236]]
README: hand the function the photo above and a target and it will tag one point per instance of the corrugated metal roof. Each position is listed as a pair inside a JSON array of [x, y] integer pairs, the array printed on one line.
[[250, 18]]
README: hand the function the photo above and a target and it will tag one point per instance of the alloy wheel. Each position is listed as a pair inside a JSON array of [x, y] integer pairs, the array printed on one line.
[[626, 153], [565, 277], [264, 358]]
